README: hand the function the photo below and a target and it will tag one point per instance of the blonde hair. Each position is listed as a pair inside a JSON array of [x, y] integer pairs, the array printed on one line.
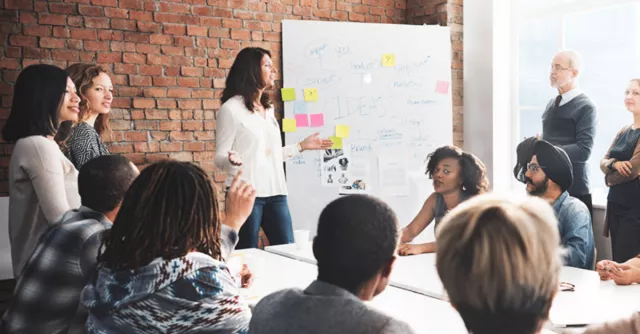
[[499, 260]]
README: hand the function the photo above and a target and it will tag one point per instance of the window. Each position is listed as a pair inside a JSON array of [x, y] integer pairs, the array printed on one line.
[[607, 37]]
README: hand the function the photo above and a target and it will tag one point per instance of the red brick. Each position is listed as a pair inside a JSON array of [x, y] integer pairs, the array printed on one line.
[[146, 147], [155, 114], [62, 8], [230, 44], [134, 58], [191, 71], [96, 46], [9, 63], [264, 17], [154, 92], [164, 81], [140, 15], [88, 34], [36, 30], [192, 125], [170, 147], [188, 82], [136, 136], [194, 146], [211, 21], [272, 36], [136, 158], [18, 4], [26, 17], [13, 52], [120, 24], [175, 18], [174, 29], [203, 42], [202, 10], [146, 125], [131, 4], [65, 55], [179, 8], [149, 27], [172, 51], [120, 124], [109, 35], [139, 80], [183, 41], [50, 43], [182, 93], [202, 93], [339, 15], [85, 10], [125, 69], [172, 71], [75, 21], [119, 79], [175, 114], [88, 57], [129, 91], [123, 47], [144, 103], [241, 34], [109, 57], [116, 13], [257, 35], [157, 157], [211, 104], [117, 148], [204, 135], [52, 19], [200, 62], [232, 23], [95, 22], [197, 31], [154, 70], [160, 39], [203, 156], [177, 135], [137, 114], [166, 104], [181, 156]]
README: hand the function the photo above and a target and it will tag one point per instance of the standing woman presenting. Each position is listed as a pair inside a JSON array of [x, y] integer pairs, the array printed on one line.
[[248, 138]]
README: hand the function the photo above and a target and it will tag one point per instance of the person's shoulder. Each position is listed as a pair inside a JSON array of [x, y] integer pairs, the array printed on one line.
[[234, 104], [575, 206], [585, 101], [278, 297]]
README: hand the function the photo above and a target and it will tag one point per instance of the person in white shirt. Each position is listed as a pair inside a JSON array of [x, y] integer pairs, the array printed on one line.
[[248, 138], [43, 183]]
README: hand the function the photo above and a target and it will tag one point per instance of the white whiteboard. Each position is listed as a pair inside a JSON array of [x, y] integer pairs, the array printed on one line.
[[399, 113]]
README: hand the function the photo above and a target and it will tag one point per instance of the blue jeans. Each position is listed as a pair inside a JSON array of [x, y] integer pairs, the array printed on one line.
[[272, 213]]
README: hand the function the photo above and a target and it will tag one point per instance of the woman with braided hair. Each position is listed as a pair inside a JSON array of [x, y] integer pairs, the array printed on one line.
[[163, 265]]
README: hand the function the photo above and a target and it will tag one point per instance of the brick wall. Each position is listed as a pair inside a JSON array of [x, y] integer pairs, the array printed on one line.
[[168, 59], [445, 13]]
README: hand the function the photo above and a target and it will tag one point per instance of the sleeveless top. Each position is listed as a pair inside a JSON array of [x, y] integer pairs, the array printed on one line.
[[441, 209]]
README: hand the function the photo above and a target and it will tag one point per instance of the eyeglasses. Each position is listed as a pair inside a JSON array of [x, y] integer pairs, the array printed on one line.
[[533, 167], [558, 68], [565, 286]]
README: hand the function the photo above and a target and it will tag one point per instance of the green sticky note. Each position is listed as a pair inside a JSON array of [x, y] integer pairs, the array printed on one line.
[[342, 131], [311, 94], [337, 142], [288, 125], [389, 60], [288, 94]]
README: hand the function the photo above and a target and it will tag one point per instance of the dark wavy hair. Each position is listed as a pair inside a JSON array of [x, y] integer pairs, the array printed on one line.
[[474, 173], [245, 78], [169, 210]]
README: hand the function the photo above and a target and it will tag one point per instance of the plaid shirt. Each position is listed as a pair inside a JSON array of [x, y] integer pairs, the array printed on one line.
[[47, 294]]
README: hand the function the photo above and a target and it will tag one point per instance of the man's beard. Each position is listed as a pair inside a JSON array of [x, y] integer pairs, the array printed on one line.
[[540, 188]]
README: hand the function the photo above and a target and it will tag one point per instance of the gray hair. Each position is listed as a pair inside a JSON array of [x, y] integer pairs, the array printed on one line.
[[575, 62]]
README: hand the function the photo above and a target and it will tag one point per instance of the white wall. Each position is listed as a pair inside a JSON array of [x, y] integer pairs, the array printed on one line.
[[490, 45]]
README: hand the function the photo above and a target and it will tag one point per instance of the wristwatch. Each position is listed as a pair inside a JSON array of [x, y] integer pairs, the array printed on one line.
[[299, 147], [610, 166]]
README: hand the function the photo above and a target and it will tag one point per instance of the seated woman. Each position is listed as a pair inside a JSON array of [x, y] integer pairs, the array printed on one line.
[[163, 266], [457, 175], [499, 261]]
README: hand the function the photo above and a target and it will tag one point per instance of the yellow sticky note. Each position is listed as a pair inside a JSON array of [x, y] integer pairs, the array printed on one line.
[[388, 60], [342, 131], [288, 125], [311, 94], [288, 94], [337, 142]]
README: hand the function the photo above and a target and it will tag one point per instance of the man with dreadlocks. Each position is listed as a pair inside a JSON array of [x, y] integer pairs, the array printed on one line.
[[163, 266]]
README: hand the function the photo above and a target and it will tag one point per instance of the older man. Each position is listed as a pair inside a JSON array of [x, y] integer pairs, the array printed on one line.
[[569, 121]]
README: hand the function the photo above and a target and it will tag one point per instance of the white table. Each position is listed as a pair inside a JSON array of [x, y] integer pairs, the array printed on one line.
[[416, 273], [274, 272]]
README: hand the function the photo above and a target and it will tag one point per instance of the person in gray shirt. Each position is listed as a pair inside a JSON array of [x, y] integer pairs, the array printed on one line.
[[355, 247], [569, 121]]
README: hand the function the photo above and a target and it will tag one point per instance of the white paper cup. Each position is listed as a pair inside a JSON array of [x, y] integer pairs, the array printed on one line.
[[301, 237]]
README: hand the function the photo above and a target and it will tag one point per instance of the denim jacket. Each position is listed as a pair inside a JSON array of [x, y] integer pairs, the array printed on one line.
[[576, 234]]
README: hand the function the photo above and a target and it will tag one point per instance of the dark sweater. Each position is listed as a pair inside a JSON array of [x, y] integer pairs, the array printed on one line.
[[622, 150], [84, 144], [573, 127]]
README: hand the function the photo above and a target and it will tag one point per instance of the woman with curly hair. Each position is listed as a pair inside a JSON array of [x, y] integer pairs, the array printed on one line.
[[457, 176]]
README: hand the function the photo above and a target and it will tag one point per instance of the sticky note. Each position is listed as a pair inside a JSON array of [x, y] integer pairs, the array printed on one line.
[[337, 142], [288, 94], [302, 120], [442, 87], [317, 120], [388, 60], [288, 125], [311, 94], [342, 131], [299, 107]]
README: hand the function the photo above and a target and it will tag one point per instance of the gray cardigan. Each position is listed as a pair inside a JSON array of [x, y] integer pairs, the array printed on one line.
[[322, 308], [572, 126]]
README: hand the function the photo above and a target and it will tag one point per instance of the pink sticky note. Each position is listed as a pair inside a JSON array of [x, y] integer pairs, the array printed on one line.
[[317, 120], [302, 120], [442, 87]]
